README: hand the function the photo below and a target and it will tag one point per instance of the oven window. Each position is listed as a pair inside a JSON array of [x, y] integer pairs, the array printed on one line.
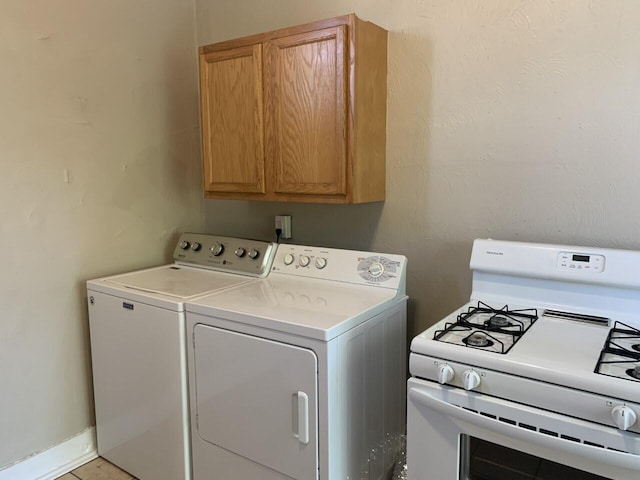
[[483, 460]]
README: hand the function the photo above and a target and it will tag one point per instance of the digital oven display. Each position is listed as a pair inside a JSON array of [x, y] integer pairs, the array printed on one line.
[[581, 258]]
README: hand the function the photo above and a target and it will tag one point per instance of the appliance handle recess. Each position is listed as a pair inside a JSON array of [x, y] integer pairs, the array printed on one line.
[[610, 457]]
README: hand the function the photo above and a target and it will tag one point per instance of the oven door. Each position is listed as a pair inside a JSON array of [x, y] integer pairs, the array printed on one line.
[[455, 434]]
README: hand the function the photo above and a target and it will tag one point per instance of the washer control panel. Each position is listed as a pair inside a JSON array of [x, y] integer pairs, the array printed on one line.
[[385, 270], [228, 254]]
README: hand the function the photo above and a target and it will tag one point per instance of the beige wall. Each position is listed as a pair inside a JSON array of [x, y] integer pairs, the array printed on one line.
[[506, 119], [99, 153]]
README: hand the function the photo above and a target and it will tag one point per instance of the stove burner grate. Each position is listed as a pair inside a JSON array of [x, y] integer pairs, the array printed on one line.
[[620, 350], [492, 329]]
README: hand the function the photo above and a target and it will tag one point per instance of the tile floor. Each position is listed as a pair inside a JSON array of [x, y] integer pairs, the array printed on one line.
[[98, 469]]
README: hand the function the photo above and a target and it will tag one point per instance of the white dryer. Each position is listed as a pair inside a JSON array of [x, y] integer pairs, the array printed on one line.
[[301, 375], [138, 350]]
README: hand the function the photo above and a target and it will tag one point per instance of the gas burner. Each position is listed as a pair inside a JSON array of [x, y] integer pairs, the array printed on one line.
[[478, 339], [484, 327], [498, 321], [634, 372], [621, 351]]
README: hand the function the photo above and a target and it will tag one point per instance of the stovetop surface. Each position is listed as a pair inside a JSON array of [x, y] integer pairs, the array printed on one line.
[[555, 350]]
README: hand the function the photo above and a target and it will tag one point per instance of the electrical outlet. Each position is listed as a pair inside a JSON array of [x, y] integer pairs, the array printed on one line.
[[283, 222]]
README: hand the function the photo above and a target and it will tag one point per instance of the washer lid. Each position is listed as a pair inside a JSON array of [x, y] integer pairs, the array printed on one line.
[[177, 281], [320, 309]]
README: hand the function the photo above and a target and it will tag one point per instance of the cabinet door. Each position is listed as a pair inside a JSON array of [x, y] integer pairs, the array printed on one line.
[[305, 112], [257, 399], [232, 120]]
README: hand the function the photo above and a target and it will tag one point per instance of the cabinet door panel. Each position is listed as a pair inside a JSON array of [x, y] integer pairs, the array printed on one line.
[[232, 122], [305, 112]]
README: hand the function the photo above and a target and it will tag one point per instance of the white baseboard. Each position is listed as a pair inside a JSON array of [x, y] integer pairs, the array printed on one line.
[[55, 461]]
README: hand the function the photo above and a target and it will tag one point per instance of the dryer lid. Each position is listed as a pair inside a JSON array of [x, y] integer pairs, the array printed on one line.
[[312, 308]]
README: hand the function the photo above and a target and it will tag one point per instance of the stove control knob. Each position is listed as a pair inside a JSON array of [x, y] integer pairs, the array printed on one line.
[[304, 261], [196, 246], [470, 379], [240, 252], [623, 416], [288, 259], [217, 249], [184, 245], [445, 373], [253, 254]]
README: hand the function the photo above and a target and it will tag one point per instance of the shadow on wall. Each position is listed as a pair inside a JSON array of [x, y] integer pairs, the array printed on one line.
[[350, 227]]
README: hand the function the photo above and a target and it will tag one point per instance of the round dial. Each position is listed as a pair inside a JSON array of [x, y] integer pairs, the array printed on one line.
[[376, 269], [184, 245], [253, 254], [445, 373], [288, 259], [470, 379], [240, 252], [321, 262], [623, 416], [196, 246], [304, 261], [217, 249]]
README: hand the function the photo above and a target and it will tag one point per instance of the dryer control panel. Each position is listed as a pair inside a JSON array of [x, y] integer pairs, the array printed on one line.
[[364, 268], [227, 254]]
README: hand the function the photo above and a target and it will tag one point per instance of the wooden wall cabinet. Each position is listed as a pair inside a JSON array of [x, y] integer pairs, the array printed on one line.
[[297, 114]]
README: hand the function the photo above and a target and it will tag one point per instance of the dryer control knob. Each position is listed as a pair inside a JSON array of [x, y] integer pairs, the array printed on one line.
[[376, 269], [304, 261], [470, 379], [196, 246], [253, 254], [288, 259], [445, 373], [240, 252], [217, 249], [623, 416], [184, 245], [321, 262]]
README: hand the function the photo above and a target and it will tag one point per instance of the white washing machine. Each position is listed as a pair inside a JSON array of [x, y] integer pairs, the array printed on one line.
[[138, 350], [301, 375]]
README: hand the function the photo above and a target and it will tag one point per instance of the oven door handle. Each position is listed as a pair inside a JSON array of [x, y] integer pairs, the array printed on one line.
[[610, 457]]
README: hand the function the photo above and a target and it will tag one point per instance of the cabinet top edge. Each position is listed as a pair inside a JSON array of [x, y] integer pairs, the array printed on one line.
[[349, 20]]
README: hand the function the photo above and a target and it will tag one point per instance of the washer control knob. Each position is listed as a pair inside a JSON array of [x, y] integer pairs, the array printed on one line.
[[376, 269], [184, 245], [304, 261], [321, 262], [623, 416], [445, 373], [253, 254], [196, 246], [470, 379], [217, 249], [240, 252], [288, 259]]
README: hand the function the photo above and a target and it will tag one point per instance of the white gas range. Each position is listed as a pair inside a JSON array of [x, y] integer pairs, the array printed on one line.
[[538, 377]]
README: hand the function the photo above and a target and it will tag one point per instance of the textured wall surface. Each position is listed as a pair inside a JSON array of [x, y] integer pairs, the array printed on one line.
[[99, 150], [508, 119]]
